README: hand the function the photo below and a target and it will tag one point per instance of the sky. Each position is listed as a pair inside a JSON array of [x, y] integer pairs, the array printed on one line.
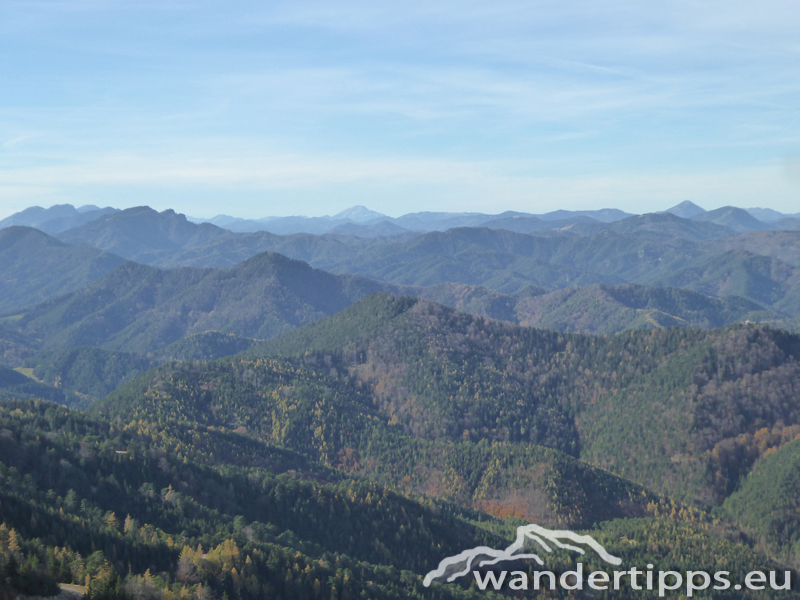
[[278, 108]]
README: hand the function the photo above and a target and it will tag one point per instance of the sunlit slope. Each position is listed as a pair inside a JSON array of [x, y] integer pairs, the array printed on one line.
[[609, 399], [146, 507], [140, 493], [610, 309], [315, 405]]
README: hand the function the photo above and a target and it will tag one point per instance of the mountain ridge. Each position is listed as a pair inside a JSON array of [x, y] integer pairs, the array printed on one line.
[[35, 267], [438, 387]]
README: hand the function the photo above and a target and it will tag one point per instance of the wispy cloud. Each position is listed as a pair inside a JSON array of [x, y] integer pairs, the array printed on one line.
[[16, 141]]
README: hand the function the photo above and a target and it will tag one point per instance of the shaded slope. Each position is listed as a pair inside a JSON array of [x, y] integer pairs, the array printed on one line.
[[208, 345], [35, 267], [92, 372], [783, 245], [768, 504], [766, 280], [142, 234], [141, 309], [16, 385]]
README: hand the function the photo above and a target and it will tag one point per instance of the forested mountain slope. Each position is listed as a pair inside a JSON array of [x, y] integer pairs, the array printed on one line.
[[91, 372], [610, 309], [355, 432], [783, 245], [142, 234], [35, 267], [768, 281], [509, 262], [194, 314], [654, 249], [142, 309], [316, 407], [768, 503], [143, 500], [14, 384], [400, 432], [186, 487], [612, 399]]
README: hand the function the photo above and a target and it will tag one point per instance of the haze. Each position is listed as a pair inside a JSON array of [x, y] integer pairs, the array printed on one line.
[[308, 107]]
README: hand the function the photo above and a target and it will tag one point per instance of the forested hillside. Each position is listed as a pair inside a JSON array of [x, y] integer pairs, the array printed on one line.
[[89, 371], [611, 309], [171, 515], [144, 315], [14, 384], [143, 309], [35, 267], [316, 407], [768, 503], [176, 507], [402, 432], [440, 373]]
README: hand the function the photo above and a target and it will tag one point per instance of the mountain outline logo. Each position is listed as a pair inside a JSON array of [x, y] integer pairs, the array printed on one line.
[[461, 564]]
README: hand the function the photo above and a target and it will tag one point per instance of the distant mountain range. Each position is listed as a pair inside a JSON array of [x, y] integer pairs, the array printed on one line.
[[372, 223], [642, 249], [191, 286], [143, 309], [361, 221], [484, 270], [56, 218], [643, 272]]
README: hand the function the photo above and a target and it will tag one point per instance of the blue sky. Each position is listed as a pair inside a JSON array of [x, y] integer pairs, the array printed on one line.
[[277, 108]]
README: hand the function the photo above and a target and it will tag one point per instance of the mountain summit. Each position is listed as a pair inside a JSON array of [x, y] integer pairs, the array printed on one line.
[[686, 210], [737, 219], [359, 214]]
